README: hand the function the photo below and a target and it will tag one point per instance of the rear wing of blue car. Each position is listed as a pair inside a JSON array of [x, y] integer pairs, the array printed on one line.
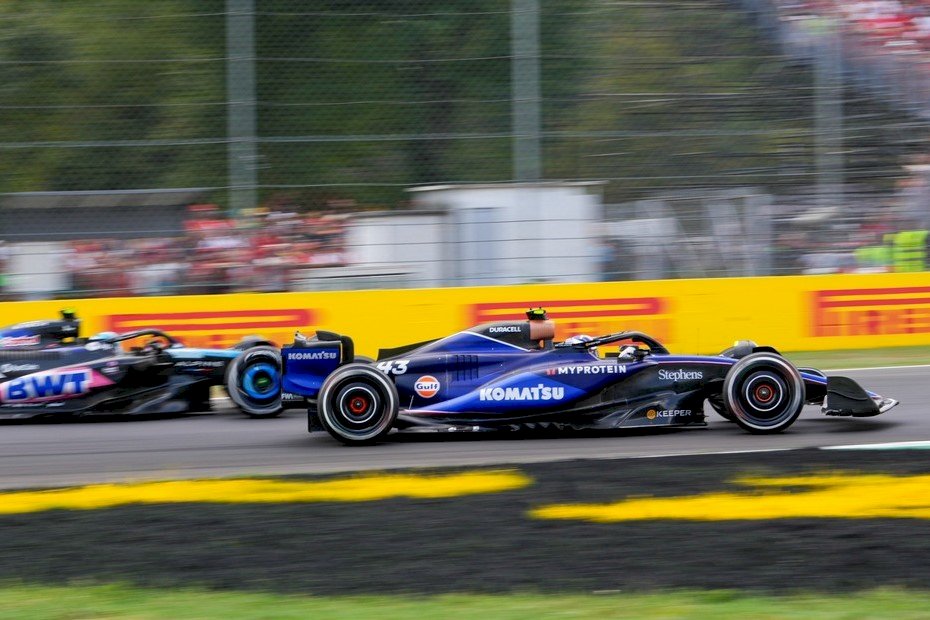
[[307, 362]]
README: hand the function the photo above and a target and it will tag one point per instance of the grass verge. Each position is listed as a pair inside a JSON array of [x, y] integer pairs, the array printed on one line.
[[862, 358], [117, 602]]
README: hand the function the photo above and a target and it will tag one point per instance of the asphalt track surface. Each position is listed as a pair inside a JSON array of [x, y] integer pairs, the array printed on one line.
[[228, 444]]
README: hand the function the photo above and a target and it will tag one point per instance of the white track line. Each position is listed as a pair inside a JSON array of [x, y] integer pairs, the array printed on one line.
[[876, 368], [894, 445]]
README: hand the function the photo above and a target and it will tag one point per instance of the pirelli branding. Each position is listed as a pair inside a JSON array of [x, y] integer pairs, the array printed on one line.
[[588, 316], [220, 328], [871, 312]]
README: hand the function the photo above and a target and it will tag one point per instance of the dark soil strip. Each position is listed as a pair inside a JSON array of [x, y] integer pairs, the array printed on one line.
[[486, 543]]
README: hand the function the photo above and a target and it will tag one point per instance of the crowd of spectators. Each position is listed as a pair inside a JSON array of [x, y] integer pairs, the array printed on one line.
[[260, 251], [885, 44]]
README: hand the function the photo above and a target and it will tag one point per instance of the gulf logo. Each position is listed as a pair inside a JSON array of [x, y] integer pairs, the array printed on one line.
[[427, 386]]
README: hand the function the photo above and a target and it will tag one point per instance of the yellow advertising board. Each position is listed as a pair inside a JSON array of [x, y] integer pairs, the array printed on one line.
[[793, 313]]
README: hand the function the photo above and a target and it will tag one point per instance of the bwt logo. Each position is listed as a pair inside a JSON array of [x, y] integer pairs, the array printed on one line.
[[218, 328], [871, 312], [45, 386], [587, 316]]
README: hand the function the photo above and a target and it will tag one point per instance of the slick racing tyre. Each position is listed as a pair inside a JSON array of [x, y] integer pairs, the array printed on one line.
[[764, 393], [253, 382], [357, 404]]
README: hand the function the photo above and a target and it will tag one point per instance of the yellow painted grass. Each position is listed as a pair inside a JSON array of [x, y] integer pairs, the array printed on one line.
[[840, 495], [260, 491]]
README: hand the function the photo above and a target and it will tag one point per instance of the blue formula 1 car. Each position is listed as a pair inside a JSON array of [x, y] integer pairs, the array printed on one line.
[[511, 375], [48, 370]]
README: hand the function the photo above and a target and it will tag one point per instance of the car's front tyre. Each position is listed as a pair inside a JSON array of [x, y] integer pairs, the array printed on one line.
[[764, 393], [357, 404]]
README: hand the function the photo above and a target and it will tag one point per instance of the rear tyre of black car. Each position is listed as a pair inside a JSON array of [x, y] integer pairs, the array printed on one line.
[[764, 393], [253, 381], [357, 404]]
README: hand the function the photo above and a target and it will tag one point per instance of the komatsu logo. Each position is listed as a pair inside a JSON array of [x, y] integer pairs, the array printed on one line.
[[539, 392], [680, 375], [316, 355], [45, 385]]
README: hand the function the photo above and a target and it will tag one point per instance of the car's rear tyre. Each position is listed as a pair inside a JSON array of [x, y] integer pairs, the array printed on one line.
[[253, 382], [357, 404], [764, 393]]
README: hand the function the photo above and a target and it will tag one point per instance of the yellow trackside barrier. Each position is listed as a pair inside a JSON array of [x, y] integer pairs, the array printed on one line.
[[693, 316]]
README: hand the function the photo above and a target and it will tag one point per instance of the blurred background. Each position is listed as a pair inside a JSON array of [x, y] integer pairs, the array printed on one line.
[[179, 147]]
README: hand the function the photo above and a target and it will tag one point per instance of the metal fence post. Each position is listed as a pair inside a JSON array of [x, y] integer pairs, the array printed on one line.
[[240, 97], [828, 114], [525, 94]]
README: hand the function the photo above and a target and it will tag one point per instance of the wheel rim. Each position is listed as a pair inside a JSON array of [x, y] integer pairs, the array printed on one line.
[[764, 392], [357, 408], [764, 398], [357, 403], [261, 381]]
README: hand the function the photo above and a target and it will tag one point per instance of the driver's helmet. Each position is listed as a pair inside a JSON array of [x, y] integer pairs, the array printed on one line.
[[105, 336], [582, 338]]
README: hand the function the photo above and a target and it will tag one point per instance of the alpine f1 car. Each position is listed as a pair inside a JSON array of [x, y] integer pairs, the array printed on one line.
[[512, 375], [47, 369]]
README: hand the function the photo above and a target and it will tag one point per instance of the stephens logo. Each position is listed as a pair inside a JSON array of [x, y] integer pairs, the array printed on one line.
[[680, 375], [19, 341], [871, 312], [539, 392], [45, 386], [427, 386]]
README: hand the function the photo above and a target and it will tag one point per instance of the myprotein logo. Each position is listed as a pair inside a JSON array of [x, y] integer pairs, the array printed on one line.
[[427, 386], [680, 375], [588, 316], [221, 328], [539, 392], [45, 386], [313, 355], [871, 312], [588, 369]]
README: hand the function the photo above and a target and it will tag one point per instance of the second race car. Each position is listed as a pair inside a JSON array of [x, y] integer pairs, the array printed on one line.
[[47, 369]]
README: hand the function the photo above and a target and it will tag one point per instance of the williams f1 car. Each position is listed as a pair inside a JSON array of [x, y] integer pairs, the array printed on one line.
[[511, 375], [47, 369]]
